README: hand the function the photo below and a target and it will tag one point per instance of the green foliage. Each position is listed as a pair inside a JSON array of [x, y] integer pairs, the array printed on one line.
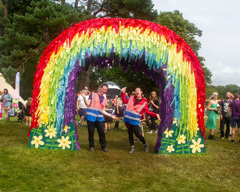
[[186, 30], [24, 169], [28, 34], [138, 9], [33, 24], [121, 78], [222, 90]]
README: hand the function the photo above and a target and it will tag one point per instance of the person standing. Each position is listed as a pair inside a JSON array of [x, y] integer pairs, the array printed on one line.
[[81, 106], [27, 111], [94, 116], [212, 117], [234, 109], [153, 106], [224, 116], [136, 106], [7, 101], [108, 119], [119, 111]]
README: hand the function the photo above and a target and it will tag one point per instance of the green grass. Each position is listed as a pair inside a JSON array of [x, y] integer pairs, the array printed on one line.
[[23, 169]]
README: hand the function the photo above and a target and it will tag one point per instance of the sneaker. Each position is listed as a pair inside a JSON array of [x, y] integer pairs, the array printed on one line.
[[79, 124], [222, 137], [106, 150], [146, 146], [136, 140], [232, 141], [156, 131], [214, 138], [116, 128], [150, 132], [132, 150], [91, 149]]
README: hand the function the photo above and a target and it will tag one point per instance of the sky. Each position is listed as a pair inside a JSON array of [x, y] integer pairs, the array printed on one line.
[[219, 21]]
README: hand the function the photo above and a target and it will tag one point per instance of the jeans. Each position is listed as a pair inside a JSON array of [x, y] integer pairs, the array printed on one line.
[[101, 133], [135, 129], [227, 121]]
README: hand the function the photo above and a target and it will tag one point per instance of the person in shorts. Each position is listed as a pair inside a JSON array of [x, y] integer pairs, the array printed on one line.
[[81, 106], [234, 110]]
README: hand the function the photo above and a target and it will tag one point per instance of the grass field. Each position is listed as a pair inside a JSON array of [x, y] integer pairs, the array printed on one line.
[[23, 169]]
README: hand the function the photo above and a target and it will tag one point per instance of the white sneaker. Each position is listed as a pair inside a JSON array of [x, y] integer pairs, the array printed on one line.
[[150, 132], [155, 131]]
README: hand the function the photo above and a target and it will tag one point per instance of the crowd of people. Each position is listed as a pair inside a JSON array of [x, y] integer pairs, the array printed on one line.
[[99, 111], [10, 109], [137, 112], [229, 110]]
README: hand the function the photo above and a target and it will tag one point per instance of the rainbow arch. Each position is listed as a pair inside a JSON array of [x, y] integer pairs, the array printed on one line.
[[145, 46]]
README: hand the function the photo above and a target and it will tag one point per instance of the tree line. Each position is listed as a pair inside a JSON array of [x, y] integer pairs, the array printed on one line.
[[28, 26]]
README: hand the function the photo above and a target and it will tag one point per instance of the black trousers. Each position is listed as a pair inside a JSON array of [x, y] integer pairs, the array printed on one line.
[[135, 129], [153, 123], [101, 133], [116, 124], [227, 121]]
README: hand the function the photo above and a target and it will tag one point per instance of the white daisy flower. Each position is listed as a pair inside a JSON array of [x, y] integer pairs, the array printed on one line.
[[182, 139], [66, 128], [168, 133], [196, 146], [51, 132], [64, 142], [37, 141], [170, 148]]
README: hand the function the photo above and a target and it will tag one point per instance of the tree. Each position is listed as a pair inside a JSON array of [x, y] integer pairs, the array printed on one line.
[[29, 34], [121, 78], [221, 90], [186, 30]]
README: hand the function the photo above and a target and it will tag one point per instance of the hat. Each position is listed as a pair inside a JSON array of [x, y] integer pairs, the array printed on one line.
[[86, 88]]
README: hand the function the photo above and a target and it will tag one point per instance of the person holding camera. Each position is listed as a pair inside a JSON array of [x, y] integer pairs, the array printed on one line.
[[213, 112]]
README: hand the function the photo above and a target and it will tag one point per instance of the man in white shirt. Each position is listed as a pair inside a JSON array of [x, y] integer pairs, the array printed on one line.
[[81, 106]]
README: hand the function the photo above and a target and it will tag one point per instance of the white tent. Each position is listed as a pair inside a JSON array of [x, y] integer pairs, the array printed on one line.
[[4, 84], [113, 89]]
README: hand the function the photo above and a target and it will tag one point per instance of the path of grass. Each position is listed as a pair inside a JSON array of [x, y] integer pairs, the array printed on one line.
[[23, 169]]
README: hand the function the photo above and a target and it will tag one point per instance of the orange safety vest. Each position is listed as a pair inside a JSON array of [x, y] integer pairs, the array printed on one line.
[[132, 113], [94, 110]]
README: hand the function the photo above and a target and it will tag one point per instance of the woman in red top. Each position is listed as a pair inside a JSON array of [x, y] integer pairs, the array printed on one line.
[[136, 106]]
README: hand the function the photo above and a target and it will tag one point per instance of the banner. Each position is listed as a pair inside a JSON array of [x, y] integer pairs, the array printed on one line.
[[17, 86]]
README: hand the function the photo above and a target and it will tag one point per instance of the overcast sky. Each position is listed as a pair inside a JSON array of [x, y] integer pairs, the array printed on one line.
[[219, 21]]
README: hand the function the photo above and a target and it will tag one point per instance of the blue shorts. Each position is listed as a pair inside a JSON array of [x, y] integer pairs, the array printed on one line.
[[235, 121], [82, 112]]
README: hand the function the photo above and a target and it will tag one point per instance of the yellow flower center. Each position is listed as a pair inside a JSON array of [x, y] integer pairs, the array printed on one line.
[[180, 138], [196, 145], [37, 141], [51, 131], [64, 142]]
